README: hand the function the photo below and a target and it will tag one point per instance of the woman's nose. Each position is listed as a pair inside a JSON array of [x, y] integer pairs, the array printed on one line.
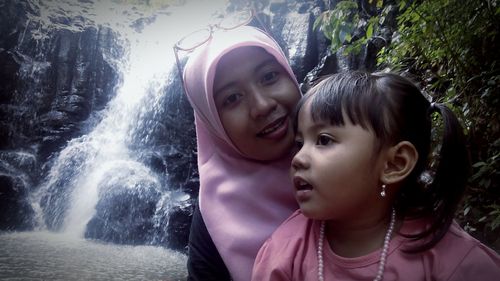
[[262, 103]]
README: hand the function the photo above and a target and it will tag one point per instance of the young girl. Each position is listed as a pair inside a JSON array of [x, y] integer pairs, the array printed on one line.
[[366, 211], [243, 92]]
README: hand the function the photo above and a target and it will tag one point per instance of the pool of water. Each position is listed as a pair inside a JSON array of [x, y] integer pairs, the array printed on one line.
[[52, 256]]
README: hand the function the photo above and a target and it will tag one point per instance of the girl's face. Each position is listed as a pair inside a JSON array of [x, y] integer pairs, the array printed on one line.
[[255, 98], [336, 170]]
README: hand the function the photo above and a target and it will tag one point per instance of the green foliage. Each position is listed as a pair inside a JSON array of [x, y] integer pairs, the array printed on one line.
[[338, 24], [342, 25], [453, 48]]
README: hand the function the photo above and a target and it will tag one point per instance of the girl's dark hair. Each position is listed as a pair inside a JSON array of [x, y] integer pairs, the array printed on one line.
[[396, 110]]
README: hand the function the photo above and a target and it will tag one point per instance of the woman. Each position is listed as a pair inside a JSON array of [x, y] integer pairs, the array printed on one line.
[[243, 92]]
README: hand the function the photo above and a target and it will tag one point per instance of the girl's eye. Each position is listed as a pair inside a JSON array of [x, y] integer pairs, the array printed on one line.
[[270, 77], [324, 140], [298, 144]]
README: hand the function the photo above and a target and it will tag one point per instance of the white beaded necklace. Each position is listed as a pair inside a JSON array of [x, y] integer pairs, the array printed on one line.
[[383, 255]]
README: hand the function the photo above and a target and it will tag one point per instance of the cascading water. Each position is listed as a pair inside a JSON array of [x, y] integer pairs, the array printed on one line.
[[120, 180], [103, 157]]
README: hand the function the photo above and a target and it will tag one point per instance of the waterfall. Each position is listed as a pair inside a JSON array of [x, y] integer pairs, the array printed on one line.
[[102, 174]]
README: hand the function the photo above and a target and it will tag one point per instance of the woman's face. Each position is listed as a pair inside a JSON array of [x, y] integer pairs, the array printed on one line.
[[255, 98]]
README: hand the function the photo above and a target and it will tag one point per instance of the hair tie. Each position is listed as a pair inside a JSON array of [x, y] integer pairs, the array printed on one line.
[[433, 107]]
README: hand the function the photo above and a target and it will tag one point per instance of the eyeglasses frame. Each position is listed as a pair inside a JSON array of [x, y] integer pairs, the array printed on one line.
[[211, 29]]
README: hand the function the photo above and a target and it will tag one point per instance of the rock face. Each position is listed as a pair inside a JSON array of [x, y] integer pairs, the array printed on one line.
[[55, 83], [13, 197], [51, 85], [125, 210]]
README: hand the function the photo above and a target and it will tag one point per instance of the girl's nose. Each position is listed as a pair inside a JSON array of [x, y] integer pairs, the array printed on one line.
[[262, 103], [300, 160]]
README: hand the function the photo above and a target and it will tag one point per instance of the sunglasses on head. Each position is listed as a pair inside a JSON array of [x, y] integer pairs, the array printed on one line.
[[199, 37]]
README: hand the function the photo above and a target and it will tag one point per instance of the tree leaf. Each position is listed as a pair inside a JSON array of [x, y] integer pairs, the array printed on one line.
[[318, 21], [380, 3], [402, 5], [369, 30], [478, 164]]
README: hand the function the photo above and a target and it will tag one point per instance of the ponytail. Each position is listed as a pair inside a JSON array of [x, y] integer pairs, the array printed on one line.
[[450, 179]]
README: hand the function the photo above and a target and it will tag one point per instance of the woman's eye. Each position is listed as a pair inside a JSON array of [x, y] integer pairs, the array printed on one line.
[[324, 140], [231, 99], [270, 77]]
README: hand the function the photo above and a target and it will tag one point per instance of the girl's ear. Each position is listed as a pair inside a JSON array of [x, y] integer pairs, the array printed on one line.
[[400, 161]]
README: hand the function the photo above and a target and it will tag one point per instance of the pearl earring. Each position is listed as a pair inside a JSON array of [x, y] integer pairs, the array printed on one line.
[[382, 193]]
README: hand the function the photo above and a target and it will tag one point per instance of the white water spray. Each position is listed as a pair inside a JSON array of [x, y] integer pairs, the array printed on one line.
[[149, 57]]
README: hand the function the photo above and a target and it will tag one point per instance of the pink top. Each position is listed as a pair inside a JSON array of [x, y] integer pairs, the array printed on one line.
[[290, 254], [242, 201]]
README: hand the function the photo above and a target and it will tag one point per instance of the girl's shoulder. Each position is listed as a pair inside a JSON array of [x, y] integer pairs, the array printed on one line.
[[294, 225], [290, 249], [456, 257], [460, 256], [296, 234], [457, 241]]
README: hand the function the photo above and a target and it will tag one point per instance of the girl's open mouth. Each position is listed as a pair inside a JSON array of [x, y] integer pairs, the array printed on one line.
[[301, 184], [303, 189]]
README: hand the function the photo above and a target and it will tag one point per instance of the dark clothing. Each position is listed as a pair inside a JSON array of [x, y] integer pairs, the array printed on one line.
[[204, 261]]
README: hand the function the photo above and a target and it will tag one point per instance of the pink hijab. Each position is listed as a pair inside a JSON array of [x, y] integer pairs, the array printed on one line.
[[242, 201]]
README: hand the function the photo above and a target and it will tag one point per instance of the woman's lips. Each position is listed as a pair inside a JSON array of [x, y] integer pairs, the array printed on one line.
[[276, 130]]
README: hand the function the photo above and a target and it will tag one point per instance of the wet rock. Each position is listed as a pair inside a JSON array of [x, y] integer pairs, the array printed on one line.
[[60, 75], [178, 229], [16, 212], [172, 220], [125, 209], [301, 41], [17, 170]]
